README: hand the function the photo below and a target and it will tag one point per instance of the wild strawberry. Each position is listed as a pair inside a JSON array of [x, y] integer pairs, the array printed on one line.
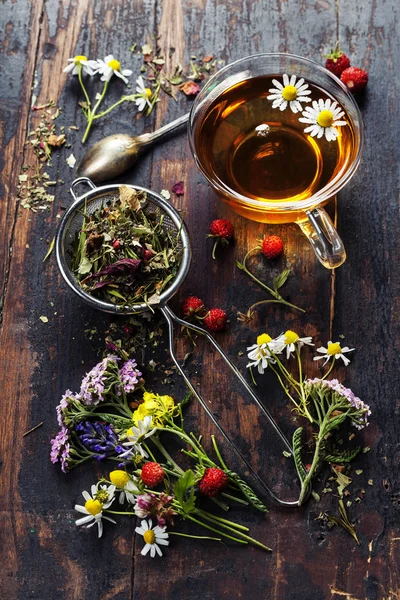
[[192, 306], [213, 482], [272, 246], [215, 319], [354, 79], [147, 255], [152, 474], [336, 61], [116, 244], [222, 230]]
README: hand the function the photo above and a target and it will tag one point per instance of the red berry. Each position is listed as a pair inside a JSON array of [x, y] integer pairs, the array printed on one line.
[[222, 228], [336, 61], [213, 482], [355, 79], [152, 474], [147, 254], [215, 319], [116, 244], [192, 306], [272, 246]]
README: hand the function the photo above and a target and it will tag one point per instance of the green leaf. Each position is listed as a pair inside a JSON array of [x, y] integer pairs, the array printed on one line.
[[297, 446], [335, 422], [184, 482], [85, 266], [50, 250], [280, 279], [239, 265], [176, 80], [343, 521], [345, 456]]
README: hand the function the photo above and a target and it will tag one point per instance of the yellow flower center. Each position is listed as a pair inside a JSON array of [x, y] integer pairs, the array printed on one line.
[[325, 118], [101, 496], [147, 92], [291, 337], [264, 338], [289, 93], [94, 507], [149, 536], [334, 348], [114, 64], [79, 58], [119, 478]]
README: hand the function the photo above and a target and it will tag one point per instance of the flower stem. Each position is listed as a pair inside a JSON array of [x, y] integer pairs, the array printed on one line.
[[195, 537], [83, 86], [92, 113], [166, 455], [217, 452], [231, 524], [108, 110], [221, 523], [230, 537], [313, 468]]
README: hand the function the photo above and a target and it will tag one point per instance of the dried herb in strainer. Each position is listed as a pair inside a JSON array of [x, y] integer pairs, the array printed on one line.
[[124, 254]]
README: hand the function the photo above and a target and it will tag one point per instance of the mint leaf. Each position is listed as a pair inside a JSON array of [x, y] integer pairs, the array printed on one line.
[[184, 482]]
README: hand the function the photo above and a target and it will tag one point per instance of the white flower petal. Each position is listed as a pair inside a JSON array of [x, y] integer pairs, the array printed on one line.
[[277, 84], [283, 105], [81, 509], [292, 80], [69, 67], [145, 549], [158, 550], [162, 542], [285, 79], [84, 520], [300, 83]]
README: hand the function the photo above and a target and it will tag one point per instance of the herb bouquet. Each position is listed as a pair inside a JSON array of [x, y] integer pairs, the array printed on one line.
[[113, 417]]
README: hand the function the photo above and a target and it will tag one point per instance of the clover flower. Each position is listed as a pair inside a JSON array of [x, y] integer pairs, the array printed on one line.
[[129, 375], [153, 537], [111, 66], [151, 505], [99, 438], [324, 118], [125, 485], [143, 95], [362, 411], [88, 66], [289, 340], [102, 497], [94, 383], [334, 350], [291, 93], [60, 449], [260, 353]]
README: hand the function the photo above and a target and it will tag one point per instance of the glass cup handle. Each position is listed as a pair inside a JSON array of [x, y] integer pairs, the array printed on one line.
[[324, 238]]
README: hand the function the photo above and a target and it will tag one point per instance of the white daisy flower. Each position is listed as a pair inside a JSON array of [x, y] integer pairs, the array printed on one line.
[[260, 353], [144, 95], [111, 66], [324, 117], [152, 537], [137, 435], [88, 66], [291, 93], [102, 497], [126, 486], [289, 340], [335, 350]]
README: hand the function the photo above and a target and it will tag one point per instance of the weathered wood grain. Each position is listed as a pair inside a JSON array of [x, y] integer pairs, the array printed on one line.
[[45, 555]]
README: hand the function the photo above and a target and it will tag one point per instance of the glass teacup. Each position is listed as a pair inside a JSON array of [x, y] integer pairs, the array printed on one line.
[[277, 136]]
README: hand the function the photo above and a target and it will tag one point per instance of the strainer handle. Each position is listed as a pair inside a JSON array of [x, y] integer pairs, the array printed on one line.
[[170, 318], [79, 180]]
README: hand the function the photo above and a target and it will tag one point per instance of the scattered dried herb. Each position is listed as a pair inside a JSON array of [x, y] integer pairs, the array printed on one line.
[[124, 254]]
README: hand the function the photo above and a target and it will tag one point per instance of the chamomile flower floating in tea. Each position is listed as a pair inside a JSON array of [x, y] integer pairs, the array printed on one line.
[[111, 66], [81, 64], [324, 117], [293, 92], [334, 351]]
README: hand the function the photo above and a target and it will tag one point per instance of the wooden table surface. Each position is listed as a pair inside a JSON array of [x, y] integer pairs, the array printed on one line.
[[44, 555]]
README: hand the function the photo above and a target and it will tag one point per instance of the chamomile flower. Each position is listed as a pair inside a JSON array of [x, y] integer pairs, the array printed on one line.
[[154, 538], [102, 497], [111, 66], [88, 66], [144, 95], [289, 340], [125, 485], [324, 118], [334, 350], [137, 435], [260, 353], [293, 92]]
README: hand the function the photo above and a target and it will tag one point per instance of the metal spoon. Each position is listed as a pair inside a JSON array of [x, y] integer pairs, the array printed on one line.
[[116, 153]]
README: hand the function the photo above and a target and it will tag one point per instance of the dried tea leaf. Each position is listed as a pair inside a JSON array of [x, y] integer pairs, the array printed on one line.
[[129, 196], [44, 319], [190, 88], [71, 160]]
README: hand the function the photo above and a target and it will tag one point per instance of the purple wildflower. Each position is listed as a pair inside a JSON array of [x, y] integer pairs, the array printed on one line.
[[150, 505], [94, 382], [361, 420], [60, 449], [64, 404], [99, 438], [129, 375]]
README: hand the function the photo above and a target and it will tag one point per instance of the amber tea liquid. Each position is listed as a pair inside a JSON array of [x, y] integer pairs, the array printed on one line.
[[263, 153]]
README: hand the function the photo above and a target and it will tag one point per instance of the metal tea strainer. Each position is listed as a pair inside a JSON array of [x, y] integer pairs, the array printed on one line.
[[72, 223]]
